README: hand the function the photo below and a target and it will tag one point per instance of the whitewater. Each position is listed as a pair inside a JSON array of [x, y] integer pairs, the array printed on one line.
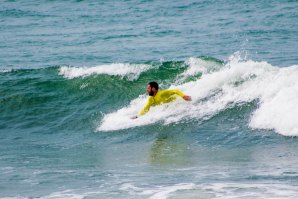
[[219, 87]]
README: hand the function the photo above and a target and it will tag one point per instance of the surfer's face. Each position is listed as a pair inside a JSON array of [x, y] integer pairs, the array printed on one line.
[[150, 90]]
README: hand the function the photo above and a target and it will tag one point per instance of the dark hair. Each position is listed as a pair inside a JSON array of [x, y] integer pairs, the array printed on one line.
[[153, 85]]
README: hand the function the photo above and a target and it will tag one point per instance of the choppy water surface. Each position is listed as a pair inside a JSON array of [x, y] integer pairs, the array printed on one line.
[[73, 73]]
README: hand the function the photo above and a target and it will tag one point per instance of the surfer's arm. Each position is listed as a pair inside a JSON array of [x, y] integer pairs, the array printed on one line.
[[146, 107], [185, 97]]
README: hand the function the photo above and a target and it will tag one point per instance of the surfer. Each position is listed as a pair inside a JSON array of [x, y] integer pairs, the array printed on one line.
[[157, 97]]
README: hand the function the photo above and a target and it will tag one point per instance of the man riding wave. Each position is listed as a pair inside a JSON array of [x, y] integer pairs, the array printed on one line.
[[157, 97]]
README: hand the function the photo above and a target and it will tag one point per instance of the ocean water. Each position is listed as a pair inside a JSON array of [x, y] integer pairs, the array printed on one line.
[[72, 73]]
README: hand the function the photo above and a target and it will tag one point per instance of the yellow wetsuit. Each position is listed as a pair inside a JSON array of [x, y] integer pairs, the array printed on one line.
[[161, 97]]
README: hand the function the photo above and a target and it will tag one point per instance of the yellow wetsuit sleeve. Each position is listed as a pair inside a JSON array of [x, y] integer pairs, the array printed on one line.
[[147, 106], [177, 92]]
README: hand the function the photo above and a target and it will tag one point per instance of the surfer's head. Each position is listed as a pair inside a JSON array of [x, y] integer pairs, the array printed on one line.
[[152, 88]]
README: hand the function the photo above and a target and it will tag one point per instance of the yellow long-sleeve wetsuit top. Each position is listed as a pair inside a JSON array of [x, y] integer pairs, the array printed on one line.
[[161, 97]]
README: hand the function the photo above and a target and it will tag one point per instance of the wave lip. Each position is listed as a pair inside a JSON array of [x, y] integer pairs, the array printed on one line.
[[131, 71]]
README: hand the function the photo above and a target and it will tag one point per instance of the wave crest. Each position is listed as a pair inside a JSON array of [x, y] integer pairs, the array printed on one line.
[[236, 82], [131, 71]]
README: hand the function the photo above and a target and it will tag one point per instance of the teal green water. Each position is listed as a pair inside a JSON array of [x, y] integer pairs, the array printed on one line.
[[73, 73]]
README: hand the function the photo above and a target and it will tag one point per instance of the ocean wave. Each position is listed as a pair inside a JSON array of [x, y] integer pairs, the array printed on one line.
[[131, 71], [236, 82], [5, 70]]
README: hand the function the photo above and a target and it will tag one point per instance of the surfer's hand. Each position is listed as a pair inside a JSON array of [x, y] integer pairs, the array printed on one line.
[[134, 117], [187, 98]]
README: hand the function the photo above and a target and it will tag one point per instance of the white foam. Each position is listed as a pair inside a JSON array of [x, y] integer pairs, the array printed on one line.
[[158, 192], [196, 67], [69, 194], [278, 108], [72, 194], [5, 70], [218, 190], [237, 82], [164, 192], [131, 71], [227, 190], [250, 190]]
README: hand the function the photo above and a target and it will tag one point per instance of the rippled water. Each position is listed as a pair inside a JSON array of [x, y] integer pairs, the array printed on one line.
[[72, 74]]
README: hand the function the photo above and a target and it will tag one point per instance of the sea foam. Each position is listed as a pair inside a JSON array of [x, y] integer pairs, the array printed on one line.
[[213, 190]]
